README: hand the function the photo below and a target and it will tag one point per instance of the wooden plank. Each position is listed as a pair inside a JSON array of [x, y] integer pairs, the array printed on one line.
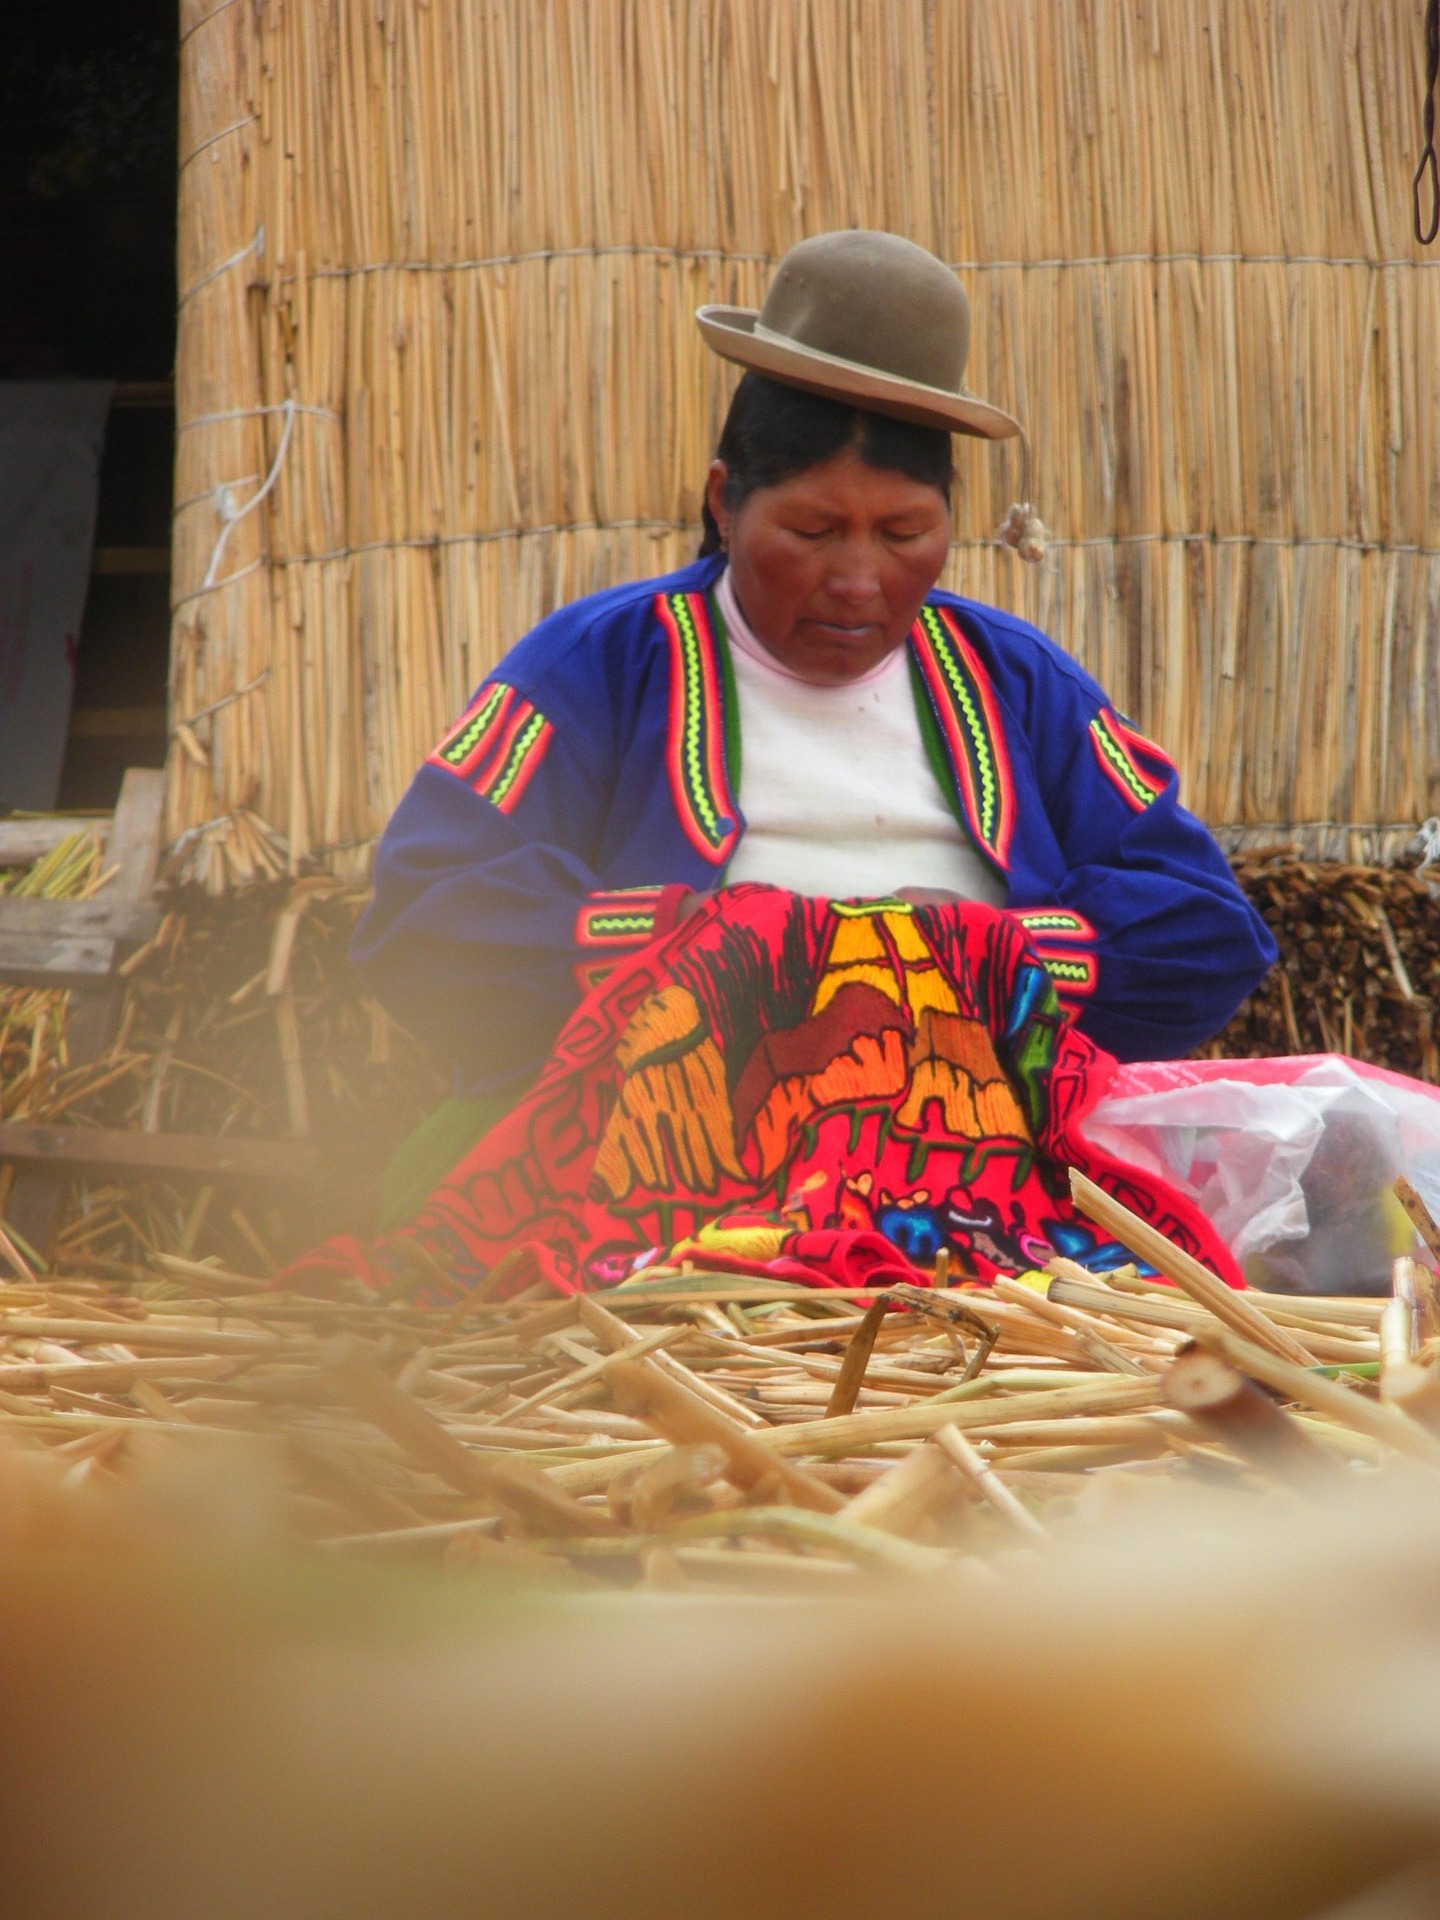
[[23, 842], [135, 838], [115, 1150], [105, 918], [42, 960]]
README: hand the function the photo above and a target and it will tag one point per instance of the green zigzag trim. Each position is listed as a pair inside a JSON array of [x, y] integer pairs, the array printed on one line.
[[1065, 969], [694, 720], [455, 751], [975, 726], [620, 923], [519, 753], [1120, 760]]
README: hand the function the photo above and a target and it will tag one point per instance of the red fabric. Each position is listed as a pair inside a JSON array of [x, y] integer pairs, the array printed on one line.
[[828, 1091], [667, 910]]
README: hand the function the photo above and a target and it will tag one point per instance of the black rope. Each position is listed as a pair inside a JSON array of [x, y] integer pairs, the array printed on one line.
[[1428, 168]]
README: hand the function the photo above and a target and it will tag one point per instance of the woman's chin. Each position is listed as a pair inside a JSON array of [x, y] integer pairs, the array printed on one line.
[[834, 662]]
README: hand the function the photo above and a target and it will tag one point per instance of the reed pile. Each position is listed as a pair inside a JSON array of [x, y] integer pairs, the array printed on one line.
[[32, 1019], [702, 1428], [241, 1019], [1359, 967], [437, 371]]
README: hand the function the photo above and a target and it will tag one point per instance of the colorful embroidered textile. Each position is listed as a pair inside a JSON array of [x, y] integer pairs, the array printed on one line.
[[478, 936], [846, 1088]]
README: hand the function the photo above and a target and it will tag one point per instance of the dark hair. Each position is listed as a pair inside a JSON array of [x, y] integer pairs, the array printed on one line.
[[773, 431]]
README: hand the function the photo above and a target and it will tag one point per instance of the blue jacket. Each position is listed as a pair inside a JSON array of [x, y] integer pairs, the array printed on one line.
[[593, 781]]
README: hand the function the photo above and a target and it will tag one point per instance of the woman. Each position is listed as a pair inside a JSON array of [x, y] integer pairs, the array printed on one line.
[[624, 755], [804, 709]]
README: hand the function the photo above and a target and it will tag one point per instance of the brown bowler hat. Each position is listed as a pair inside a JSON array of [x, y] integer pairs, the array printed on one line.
[[869, 318]]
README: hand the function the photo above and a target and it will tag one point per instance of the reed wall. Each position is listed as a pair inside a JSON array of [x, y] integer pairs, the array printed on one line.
[[438, 260]]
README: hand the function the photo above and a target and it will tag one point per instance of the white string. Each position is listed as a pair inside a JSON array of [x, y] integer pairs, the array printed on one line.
[[250, 120], [224, 497], [225, 700], [965, 545], [250, 413], [203, 499], [229, 581], [1022, 529], [769, 260], [1186, 259], [192, 834], [1427, 842], [196, 25], [257, 246]]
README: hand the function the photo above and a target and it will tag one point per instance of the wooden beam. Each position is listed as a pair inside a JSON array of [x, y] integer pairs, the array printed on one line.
[[135, 842], [40, 960], [113, 1150], [23, 842], [106, 917]]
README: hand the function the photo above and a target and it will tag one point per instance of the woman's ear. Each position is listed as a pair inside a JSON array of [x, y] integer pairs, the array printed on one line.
[[715, 499]]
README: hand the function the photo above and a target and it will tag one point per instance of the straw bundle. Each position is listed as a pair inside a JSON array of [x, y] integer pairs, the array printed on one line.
[[437, 269]]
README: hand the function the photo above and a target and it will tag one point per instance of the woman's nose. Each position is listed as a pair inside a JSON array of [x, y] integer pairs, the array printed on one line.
[[854, 573]]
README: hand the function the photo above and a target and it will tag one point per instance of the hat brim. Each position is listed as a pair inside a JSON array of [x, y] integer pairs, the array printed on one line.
[[730, 332]]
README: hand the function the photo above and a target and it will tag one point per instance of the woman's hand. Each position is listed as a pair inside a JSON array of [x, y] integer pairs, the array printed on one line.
[[928, 897]]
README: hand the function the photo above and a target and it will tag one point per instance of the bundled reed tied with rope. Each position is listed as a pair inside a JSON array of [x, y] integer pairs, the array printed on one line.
[[437, 370]]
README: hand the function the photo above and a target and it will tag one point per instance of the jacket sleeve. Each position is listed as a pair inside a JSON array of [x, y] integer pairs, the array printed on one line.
[[1150, 940], [488, 920]]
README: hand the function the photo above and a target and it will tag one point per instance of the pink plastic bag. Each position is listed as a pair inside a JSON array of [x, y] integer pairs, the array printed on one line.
[[1291, 1159]]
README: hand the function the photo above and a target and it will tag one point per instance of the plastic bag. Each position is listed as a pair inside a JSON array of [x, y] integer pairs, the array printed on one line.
[[1292, 1160]]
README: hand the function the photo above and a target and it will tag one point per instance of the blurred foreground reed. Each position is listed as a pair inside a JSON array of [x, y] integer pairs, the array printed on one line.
[[1200, 1709]]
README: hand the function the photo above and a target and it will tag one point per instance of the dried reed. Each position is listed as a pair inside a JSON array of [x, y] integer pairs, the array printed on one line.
[[687, 1416]]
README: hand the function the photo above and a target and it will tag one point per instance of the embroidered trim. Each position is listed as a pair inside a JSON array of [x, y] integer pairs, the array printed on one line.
[[464, 746], [505, 786], [496, 745], [588, 974], [1119, 749], [1075, 974], [1058, 923], [969, 717], [1057, 935], [699, 778], [623, 918]]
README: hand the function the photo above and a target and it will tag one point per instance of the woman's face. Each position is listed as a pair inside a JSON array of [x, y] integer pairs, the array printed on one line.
[[832, 565]]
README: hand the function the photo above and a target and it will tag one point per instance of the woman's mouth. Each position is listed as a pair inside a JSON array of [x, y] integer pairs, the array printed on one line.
[[835, 630]]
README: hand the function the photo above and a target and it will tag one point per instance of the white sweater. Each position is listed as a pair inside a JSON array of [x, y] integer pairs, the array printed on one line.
[[836, 787]]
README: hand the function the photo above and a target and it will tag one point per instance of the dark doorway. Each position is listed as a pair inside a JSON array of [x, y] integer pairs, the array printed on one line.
[[87, 289]]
